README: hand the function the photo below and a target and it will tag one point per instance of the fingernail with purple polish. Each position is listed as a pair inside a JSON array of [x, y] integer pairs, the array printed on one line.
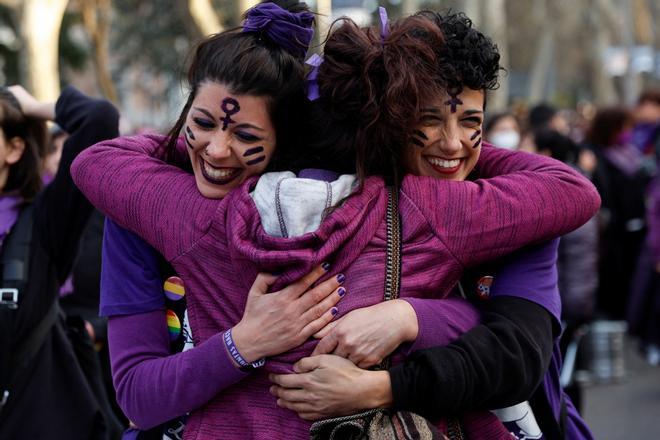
[[334, 311], [341, 292], [326, 266], [341, 278]]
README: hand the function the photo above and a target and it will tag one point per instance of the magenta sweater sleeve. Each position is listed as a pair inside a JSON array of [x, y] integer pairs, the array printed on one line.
[[157, 201], [154, 386], [441, 321], [523, 198]]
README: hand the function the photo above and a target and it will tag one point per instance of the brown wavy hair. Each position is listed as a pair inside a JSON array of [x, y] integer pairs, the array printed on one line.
[[371, 90], [607, 125]]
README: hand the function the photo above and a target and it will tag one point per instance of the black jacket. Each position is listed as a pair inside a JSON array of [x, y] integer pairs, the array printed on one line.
[[52, 398]]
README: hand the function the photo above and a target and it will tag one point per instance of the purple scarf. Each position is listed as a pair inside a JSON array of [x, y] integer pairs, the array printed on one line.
[[625, 157], [292, 31], [9, 207]]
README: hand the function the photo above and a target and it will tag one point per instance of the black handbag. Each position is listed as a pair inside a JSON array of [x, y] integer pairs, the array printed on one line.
[[386, 424]]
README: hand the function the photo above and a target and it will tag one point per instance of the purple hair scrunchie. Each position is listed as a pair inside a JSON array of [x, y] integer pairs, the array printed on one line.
[[292, 31]]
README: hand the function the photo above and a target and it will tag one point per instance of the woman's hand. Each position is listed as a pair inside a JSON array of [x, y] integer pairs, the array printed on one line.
[[329, 386], [367, 335], [32, 107], [277, 322]]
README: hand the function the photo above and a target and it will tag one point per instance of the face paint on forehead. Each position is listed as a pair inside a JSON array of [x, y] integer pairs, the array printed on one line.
[[253, 151], [454, 101], [230, 106]]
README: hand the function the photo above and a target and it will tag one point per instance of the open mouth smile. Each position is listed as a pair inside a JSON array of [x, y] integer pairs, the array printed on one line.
[[444, 166], [218, 176]]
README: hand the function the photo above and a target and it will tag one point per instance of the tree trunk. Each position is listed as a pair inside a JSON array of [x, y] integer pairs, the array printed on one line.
[[543, 59], [604, 25], [323, 20], [244, 5], [205, 17], [473, 8], [495, 25], [96, 17], [40, 29], [408, 7]]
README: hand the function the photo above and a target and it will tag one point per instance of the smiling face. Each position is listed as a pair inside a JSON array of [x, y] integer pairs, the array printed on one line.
[[447, 141], [229, 137]]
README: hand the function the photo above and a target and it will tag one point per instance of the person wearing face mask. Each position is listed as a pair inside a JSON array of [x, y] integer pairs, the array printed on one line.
[[502, 130]]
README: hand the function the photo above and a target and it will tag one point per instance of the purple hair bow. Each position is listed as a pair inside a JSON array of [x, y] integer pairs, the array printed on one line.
[[292, 31]]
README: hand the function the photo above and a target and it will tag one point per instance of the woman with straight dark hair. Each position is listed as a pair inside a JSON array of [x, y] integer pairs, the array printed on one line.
[[225, 141]]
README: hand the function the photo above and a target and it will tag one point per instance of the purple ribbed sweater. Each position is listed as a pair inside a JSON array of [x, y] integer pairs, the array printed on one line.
[[218, 246]]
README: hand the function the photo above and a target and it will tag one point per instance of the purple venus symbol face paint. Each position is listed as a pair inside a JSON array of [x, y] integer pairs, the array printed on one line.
[[252, 152], [419, 138], [188, 136], [230, 106], [454, 101]]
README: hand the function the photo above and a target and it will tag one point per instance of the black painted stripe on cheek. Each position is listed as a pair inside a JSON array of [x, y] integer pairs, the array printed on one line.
[[190, 145], [190, 133], [421, 134], [474, 136], [256, 161], [417, 142], [253, 151], [477, 143]]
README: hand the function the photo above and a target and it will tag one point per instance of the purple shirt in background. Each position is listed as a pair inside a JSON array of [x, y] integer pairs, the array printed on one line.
[[531, 274], [9, 208]]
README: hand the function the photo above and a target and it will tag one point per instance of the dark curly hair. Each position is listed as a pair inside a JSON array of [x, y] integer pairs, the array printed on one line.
[[468, 57], [372, 88]]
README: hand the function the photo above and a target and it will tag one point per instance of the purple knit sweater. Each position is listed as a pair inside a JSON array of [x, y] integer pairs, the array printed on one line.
[[218, 246]]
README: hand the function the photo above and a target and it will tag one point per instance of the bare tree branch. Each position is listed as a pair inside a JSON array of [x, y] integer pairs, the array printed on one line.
[[40, 29], [96, 18]]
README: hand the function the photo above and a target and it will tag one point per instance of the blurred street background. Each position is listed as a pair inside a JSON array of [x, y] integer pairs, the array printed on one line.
[[626, 408]]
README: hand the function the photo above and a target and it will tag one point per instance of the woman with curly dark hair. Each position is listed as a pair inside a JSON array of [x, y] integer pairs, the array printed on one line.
[[497, 363], [383, 95]]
